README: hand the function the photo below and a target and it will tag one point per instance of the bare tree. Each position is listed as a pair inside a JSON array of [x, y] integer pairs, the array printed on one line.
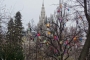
[[59, 38], [85, 5]]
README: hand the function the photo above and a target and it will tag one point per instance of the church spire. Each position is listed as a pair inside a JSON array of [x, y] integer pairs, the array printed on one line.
[[43, 3], [29, 25], [43, 10], [42, 16]]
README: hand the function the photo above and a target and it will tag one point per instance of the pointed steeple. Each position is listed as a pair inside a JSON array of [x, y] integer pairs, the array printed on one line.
[[42, 16], [29, 25], [43, 10], [43, 3]]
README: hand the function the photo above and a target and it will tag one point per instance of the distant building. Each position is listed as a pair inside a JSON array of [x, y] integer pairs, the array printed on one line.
[[42, 18], [28, 42]]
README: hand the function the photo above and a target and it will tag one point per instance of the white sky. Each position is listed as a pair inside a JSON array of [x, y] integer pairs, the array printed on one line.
[[30, 9]]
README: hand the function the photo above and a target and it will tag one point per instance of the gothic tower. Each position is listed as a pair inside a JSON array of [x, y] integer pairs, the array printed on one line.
[[42, 17]]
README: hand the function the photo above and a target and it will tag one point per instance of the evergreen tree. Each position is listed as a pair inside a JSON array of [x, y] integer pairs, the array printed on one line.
[[0, 35], [18, 28], [18, 37], [14, 50], [0, 42], [10, 33]]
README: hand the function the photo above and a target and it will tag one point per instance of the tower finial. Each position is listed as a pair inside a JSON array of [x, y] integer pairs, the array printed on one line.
[[43, 3]]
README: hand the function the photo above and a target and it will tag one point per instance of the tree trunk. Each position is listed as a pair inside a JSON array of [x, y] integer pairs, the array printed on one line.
[[85, 49], [88, 58]]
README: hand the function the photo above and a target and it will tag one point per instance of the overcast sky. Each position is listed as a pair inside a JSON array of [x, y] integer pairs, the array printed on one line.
[[30, 9]]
